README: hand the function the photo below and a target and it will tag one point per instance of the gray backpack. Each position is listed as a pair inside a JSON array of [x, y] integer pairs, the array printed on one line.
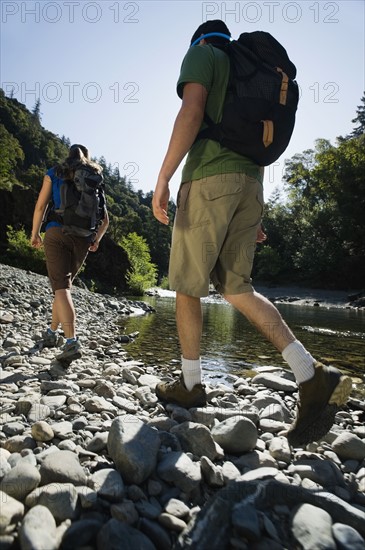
[[82, 207]]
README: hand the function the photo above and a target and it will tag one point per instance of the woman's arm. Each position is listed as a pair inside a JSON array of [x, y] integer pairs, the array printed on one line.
[[100, 233], [40, 207]]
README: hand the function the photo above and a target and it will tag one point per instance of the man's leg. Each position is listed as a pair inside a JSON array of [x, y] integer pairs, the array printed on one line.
[[264, 316], [188, 391], [322, 389], [189, 320]]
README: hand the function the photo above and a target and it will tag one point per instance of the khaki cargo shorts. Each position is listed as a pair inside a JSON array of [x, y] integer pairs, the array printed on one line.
[[65, 255], [214, 235]]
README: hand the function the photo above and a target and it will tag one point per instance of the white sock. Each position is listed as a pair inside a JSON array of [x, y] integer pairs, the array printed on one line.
[[300, 361], [192, 372]]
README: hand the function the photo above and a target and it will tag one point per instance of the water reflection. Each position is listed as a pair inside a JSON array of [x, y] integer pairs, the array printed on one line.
[[231, 345]]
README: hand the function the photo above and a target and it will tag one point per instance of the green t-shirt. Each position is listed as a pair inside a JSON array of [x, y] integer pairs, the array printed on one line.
[[209, 66]]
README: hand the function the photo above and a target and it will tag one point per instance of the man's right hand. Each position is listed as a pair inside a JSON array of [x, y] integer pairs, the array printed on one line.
[[160, 202]]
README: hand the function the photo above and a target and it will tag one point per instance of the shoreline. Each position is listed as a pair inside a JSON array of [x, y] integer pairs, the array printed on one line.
[[292, 295], [309, 296]]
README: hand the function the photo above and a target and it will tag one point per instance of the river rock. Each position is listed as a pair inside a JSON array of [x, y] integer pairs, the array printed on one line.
[[42, 431], [11, 511], [62, 467], [349, 446], [115, 535], [59, 498], [179, 469], [279, 448], [235, 435], [17, 443], [275, 382], [196, 438], [109, 485], [38, 530], [133, 447], [312, 528], [347, 538], [20, 480], [211, 473]]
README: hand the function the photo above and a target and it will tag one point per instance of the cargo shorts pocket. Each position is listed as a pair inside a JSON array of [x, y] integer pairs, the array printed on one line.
[[211, 191], [183, 195]]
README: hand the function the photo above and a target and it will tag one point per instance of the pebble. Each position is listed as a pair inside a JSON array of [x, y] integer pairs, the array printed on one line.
[[90, 458]]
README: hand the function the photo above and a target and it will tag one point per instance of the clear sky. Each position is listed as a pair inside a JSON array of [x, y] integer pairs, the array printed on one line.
[[106, 71]]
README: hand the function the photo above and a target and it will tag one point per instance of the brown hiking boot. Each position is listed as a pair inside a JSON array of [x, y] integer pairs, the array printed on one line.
[[319, 400], [176, 392]]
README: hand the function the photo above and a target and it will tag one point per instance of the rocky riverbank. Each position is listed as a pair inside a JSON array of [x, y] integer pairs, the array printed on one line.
[[90, 459]]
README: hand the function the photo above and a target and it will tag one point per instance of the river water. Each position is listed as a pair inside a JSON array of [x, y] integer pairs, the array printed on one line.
[[230, 345]]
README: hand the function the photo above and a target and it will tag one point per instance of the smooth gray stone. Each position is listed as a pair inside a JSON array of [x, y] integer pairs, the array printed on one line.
[[235, 435], [11, 511], [109, 485], [59, 498], [312, 528], [179, 469], [133, 446], [196, 438], [38, 530], [98, 443], [4, 466], [115, 535], [81, 533], [17, 443], [211, 473], [347, 538], [177, 508], [156, 533], [21, 480], [125, 512], [62, 467], [275, 382], [349, 446], [323, 472]]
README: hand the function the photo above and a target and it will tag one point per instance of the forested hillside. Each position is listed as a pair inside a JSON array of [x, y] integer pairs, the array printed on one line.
[[27, 151], [315, 228]]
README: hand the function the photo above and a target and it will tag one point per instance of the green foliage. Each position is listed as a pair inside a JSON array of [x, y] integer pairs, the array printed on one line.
[[164, 283], [143, 273], [326, 190], [359, 119], [268, 264], [11, 156], [20, 253]]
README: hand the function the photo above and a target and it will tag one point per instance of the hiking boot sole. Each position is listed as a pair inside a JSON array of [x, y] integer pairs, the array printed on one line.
[[325, 420], [341, 392]]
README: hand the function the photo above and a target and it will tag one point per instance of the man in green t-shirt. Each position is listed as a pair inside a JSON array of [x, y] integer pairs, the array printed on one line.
[[219, 211]]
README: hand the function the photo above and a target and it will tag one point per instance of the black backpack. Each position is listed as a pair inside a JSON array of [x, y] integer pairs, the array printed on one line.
[[82, 207], [261, 99]]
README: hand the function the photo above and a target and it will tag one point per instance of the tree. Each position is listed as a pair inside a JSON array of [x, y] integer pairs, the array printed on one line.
[[11, 158], [359, 119], [327, 201], [143, 273], [37, 111]]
